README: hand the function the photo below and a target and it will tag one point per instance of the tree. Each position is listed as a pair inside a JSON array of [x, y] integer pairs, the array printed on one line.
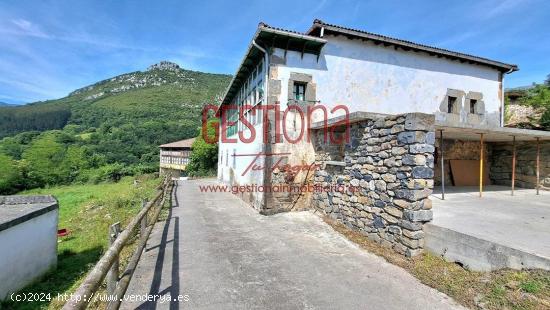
[[44, 160], [204, 157], [10, 175], [74, 161], [547, 81], [539, 97]]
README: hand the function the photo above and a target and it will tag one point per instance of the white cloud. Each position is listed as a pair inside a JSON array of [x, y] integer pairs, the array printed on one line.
[[493, 9], [24, 27]]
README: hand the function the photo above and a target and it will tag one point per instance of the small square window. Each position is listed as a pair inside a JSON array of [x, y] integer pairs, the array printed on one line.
[[299, 91], [451, 104], [473, 106]]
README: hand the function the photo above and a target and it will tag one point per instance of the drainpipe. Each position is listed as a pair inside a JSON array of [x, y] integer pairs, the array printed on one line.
[[503, 105], [266, 61], [266, 147]]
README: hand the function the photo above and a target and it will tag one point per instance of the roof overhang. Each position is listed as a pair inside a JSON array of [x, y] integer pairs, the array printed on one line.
[[490, 134], [315, 30], [496, 134], [270, 38]]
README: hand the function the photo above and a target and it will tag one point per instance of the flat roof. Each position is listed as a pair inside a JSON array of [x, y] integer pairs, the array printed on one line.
[[493, 134], [407, 45], [17, 209], [472, 133]]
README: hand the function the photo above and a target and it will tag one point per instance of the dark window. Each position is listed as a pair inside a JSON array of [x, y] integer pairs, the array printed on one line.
[[451, 104], [473, 103], [299, 91]]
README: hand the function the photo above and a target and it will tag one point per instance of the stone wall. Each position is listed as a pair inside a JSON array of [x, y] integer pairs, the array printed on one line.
[[526, 152], [458, 149], [390, 161]]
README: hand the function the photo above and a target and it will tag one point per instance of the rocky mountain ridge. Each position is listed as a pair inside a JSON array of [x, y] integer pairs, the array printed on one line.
[[158, 74]]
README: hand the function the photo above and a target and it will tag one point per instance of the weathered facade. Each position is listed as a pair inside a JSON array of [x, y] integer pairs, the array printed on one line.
[[349, 72], [385, 179]]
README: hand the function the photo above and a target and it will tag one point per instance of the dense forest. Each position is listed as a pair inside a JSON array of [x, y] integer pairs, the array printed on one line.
[[103, 131]]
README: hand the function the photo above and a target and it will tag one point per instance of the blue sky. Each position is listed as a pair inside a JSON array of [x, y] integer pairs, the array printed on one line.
[[49, 48]]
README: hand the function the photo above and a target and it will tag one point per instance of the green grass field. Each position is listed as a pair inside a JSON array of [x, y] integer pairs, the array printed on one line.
[[86, 211]]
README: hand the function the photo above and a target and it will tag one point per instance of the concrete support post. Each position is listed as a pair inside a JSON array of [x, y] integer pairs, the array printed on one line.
[[442, 166], [481, 166], [513, 165], [112, 275], [538, 165]]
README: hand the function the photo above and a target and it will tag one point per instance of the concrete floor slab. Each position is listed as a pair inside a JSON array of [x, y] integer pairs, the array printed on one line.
[[222, 254], [519, 223]]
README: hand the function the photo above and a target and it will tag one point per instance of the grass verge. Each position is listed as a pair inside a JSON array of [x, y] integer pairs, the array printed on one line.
[[503, 289], [86, 211]]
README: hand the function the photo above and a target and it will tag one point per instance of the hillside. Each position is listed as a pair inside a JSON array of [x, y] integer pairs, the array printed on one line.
[[164, 91], [529, 107], [104, 130]]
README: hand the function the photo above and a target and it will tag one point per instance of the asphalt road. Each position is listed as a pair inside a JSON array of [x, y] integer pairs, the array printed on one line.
[[215, 252]]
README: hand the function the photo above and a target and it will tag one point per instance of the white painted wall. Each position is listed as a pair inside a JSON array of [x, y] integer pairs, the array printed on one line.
[[231, 169], [367, 77], [28, 250], [379, 79]]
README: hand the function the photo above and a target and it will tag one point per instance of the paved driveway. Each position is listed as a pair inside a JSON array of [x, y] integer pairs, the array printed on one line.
[[520, 222], [219, 253]]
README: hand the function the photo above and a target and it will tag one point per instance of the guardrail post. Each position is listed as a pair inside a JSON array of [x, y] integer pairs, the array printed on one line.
[[112, 275], [143, 226]]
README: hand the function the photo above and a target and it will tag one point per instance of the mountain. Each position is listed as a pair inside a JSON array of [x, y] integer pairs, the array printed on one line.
[[163, 92], [105, 130], [4, 104]]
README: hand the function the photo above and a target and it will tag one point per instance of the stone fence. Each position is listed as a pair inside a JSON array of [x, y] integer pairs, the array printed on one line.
[[385, 176]]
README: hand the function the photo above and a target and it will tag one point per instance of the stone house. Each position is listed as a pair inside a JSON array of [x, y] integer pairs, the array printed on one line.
[[393, 103]]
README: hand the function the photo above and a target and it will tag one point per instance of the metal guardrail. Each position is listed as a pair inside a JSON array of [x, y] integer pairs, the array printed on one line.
[[108, 266]]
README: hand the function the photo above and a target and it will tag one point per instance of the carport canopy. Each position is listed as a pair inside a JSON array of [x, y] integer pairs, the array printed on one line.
[[496, 134], [486, 134]]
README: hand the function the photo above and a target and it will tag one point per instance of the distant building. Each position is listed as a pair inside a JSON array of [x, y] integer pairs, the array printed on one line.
[[174, 156]]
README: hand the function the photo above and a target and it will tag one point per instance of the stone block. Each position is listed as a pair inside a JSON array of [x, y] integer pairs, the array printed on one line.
[[413, 234], [378, 222], [412, 243], [409, 137], [390, 219], [410, 225], [399, 150], [414, 160], [396, 230], [402, 203], [430, 137], [417, 184], [418, 215], [393, 211], [413, 253], [389, 177], [426, 204], [397, 128], [421, 148], [380, 185], [420, 121]]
